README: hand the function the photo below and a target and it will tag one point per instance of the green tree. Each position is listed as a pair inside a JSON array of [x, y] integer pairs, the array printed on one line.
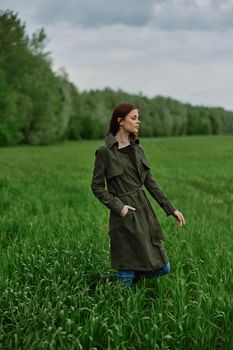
[[9, 125]]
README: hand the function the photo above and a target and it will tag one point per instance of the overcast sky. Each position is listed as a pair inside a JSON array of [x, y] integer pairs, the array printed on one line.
[[177, 48]]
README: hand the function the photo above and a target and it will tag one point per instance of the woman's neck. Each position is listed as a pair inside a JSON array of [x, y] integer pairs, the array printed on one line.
[[122, 138]]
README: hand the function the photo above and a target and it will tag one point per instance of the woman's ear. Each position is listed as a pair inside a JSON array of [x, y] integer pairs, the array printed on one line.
[[119, 120]]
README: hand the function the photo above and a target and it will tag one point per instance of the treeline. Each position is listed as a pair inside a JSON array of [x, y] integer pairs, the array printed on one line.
[[39, 106], [160, 116]]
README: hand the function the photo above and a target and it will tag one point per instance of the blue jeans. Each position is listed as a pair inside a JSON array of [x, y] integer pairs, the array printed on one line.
[[128, 277]]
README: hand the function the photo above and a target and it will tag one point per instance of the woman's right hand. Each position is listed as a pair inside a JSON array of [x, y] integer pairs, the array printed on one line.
[[125, 210], [179, 217]]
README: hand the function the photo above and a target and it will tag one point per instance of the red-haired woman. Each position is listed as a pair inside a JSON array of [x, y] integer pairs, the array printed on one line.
[[135, 233]]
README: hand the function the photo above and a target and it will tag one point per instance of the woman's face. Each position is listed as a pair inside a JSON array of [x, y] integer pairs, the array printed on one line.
[[131, 122]]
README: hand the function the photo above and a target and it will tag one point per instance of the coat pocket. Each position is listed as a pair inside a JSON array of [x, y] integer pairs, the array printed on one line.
[[118, 221], [129, 213]]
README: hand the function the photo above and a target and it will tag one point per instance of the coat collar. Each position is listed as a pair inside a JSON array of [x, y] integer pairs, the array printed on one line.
[[110, 140]]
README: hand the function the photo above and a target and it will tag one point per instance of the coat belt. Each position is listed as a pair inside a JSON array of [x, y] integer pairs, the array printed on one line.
[[138, 189], [141, 194]]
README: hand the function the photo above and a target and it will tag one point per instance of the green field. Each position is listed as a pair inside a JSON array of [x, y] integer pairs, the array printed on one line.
[[54, 241]]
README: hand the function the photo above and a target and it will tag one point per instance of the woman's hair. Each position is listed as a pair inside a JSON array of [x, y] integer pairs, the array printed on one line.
[[120, 111]]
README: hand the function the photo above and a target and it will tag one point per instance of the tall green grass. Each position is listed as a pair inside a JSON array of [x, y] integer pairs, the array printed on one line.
[[54, 242]]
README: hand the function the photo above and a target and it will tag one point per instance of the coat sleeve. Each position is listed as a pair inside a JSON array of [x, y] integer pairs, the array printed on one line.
[[98, 186], [158, 194]]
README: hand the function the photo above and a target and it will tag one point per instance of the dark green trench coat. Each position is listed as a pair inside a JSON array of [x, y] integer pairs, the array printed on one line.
[[136, 238]]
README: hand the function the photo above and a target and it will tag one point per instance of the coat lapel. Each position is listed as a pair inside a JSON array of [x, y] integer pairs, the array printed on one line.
[[112, 144]]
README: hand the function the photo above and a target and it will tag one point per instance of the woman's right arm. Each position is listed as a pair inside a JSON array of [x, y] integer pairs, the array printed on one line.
[[98, 186]]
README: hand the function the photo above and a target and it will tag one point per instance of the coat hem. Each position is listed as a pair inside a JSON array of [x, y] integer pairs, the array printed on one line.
[[138, 268]]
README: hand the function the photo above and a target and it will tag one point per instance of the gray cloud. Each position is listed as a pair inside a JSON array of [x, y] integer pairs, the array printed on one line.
[[95, 13], [181, 64], [160, 14], [193, 15]]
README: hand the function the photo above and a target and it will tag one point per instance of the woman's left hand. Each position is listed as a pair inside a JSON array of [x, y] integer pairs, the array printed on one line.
[[179, 218]]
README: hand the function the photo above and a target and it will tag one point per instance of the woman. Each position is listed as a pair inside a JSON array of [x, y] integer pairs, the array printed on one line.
[[135, 233]]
